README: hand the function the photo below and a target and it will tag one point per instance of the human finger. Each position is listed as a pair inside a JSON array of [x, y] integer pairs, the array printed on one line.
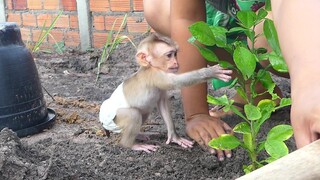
[[213, 134], [315, 131], [302, 136], [228, 130]]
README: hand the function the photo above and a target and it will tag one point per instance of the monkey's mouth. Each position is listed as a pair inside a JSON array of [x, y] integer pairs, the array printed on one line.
[[173, 70]]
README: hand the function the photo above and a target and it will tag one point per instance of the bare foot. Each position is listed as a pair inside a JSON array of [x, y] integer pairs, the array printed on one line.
[[185, 143], [145, 147]]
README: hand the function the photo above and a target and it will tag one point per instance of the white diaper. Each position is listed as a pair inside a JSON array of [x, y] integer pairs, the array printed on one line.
[[109, 107]]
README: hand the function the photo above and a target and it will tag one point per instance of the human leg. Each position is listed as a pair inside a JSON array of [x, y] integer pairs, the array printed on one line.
[[200, 126], [157, 14]]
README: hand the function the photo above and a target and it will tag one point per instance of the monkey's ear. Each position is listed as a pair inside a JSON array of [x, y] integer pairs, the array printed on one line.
[[142, 58]]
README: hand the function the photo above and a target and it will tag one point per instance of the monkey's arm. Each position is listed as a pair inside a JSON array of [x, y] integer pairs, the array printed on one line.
[[176, 81], [163, 106]]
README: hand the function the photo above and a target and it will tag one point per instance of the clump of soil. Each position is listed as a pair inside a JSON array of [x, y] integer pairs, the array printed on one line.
[[77, 147]]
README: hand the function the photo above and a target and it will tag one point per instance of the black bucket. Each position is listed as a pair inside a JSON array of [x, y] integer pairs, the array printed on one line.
[[22, 105]]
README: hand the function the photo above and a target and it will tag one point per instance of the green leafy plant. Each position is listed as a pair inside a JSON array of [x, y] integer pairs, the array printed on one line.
[[45, 32], [246, 64], [112, 43]]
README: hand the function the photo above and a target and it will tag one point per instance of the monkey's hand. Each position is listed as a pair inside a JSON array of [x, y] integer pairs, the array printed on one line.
[[144, 147], [185, 143], [220, 73]]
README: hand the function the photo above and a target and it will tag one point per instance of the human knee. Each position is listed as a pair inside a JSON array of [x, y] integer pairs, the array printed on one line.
[[157, 14], [149, 10]]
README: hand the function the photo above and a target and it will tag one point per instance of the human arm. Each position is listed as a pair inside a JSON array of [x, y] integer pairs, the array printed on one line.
[[298, 25], [199, 125]]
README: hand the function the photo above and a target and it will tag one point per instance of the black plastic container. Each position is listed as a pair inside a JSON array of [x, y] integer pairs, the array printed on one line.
[[22, 105]]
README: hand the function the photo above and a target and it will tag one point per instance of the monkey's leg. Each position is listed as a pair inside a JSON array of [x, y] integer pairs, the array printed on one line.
[[146, 136], [130, 121], [163, 106]]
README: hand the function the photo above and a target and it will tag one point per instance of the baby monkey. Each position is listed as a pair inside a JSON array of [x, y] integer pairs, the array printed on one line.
[[134, 99]]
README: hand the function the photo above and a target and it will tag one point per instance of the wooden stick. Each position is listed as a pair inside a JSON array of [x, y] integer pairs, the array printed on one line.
[[303, 164]]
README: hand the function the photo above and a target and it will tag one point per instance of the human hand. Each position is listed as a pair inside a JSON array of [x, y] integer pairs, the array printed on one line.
[[202, 128], [305, 116]]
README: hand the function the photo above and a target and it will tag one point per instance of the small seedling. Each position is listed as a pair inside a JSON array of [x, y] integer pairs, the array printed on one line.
[[246, 64], [112, 43], [45, 32]]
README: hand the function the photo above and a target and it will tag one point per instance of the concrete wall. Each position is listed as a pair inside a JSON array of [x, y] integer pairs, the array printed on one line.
[[95, 17]]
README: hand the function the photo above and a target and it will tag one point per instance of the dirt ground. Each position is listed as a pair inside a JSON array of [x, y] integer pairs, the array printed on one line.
[[76, 147]]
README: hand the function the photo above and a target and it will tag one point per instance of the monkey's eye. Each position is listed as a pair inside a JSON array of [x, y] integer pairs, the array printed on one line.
[[171, 54]]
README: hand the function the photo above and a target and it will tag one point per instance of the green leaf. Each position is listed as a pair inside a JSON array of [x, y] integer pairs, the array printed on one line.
[[226, 64], [59, 47], [247, 18], [250, 34], [270, 159], [202, 32], [253, 85], [248, 143], [262, 13], [266, 106], [45, 32], [220, 35], [252, 112], [234, 82], [266, 79], [284, 102], [261, 51], [280, 133], [276, 149], [263, 57], [237, 112], [242, 128], [278, 63], [192, 40], [261, 146], [248, 169], [271, 35], [236, 30], [245, 61], [267, 5], [226, 108], [223, 100], [225, 142], [208, 54], [274, 95], [241, 92]]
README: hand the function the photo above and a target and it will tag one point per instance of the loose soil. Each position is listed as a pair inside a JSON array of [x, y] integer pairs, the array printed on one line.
[[77, 147]]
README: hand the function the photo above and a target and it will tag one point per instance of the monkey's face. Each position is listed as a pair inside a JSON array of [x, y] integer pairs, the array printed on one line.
[[165, 58]]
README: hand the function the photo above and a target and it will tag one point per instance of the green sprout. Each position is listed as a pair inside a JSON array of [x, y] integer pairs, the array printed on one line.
[[112, 43], [45, 32]]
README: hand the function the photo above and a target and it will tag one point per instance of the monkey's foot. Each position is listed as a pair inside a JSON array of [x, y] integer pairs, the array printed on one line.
[[145, 147], [185, 143]]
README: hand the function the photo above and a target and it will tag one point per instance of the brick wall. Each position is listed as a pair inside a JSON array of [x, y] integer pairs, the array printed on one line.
[[32, 14]]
